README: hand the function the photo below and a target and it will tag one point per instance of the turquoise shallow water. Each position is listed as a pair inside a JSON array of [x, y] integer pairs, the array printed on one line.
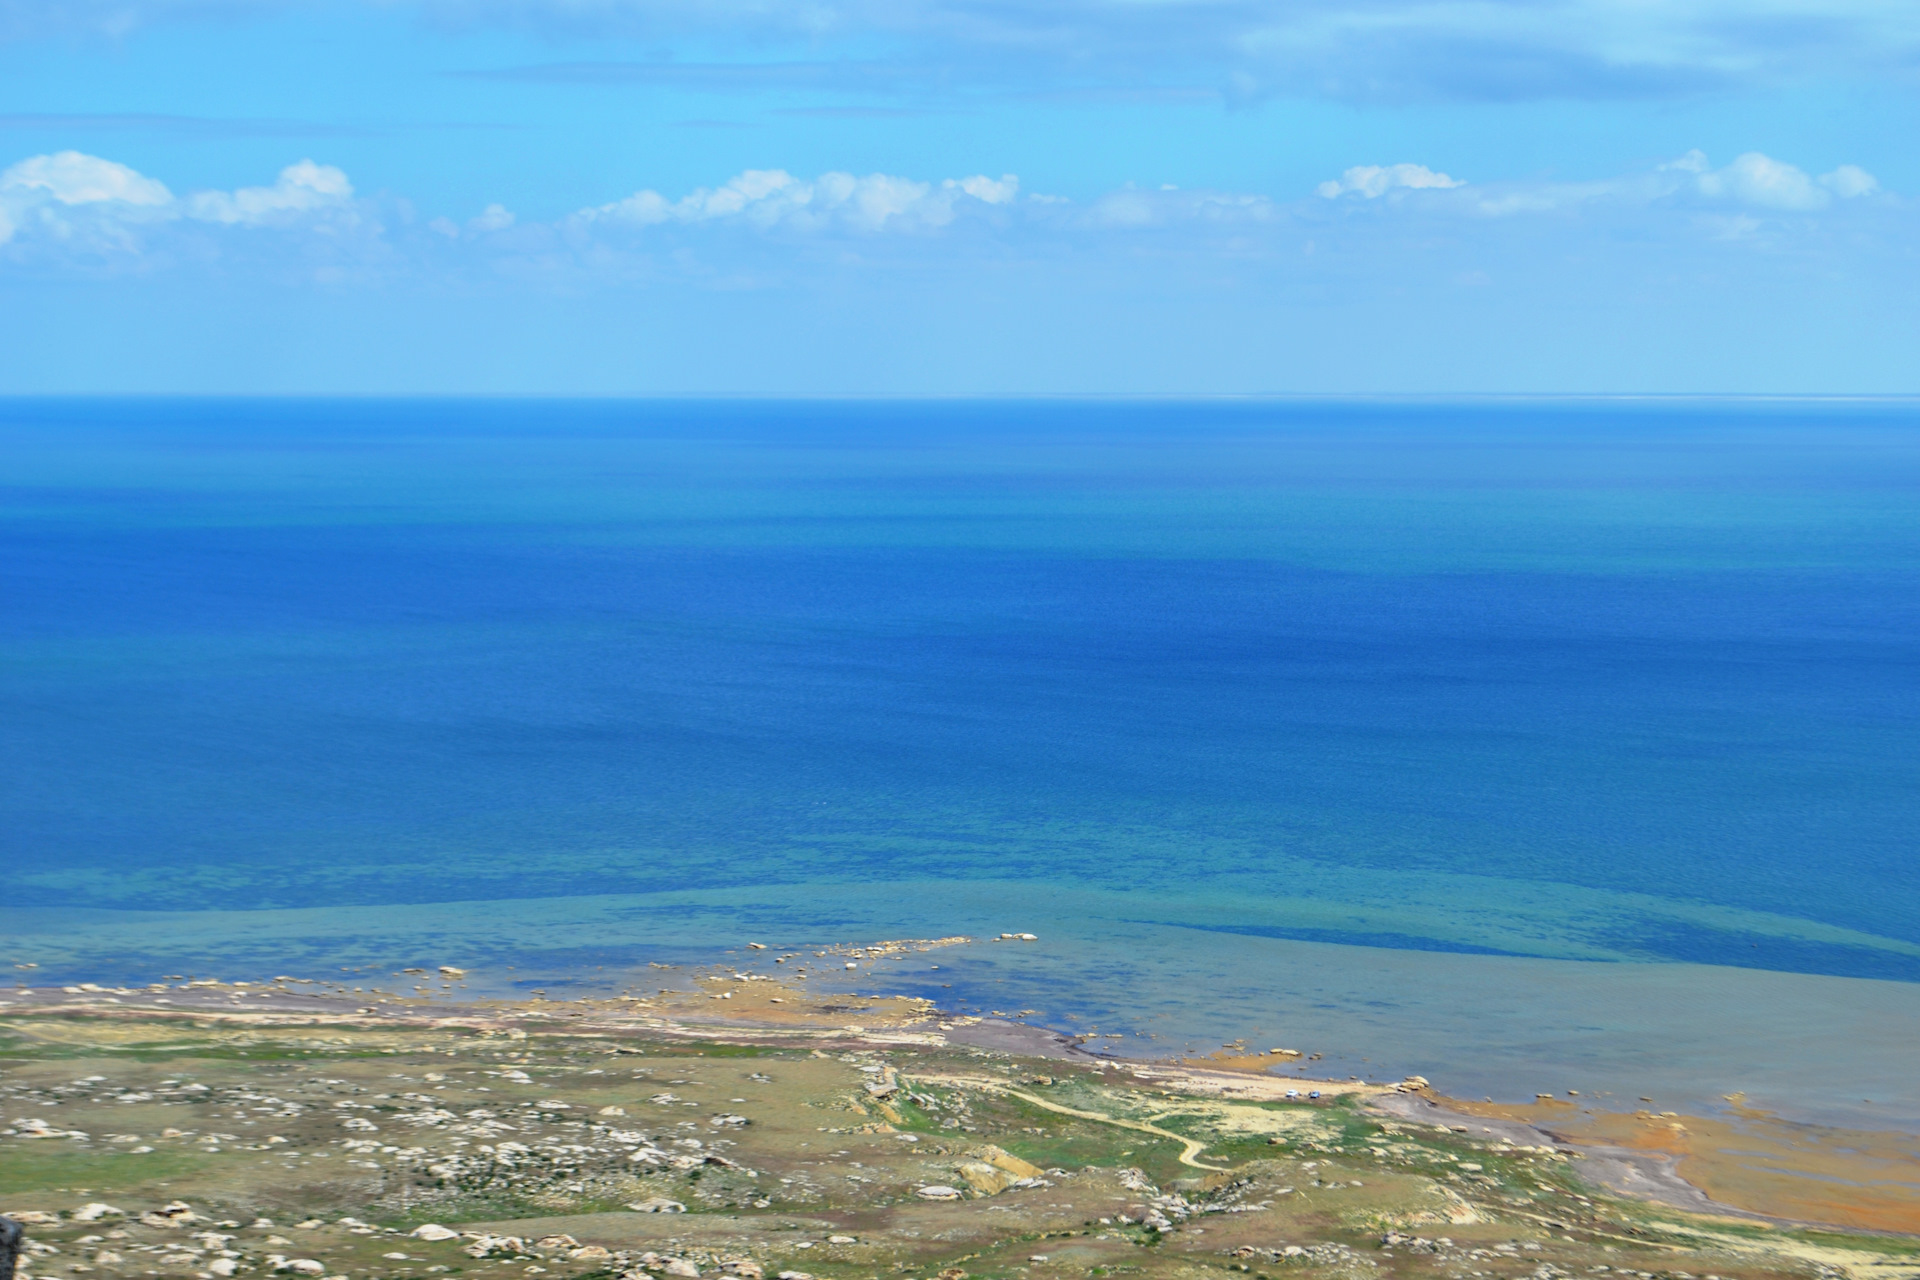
[[1505, 741]]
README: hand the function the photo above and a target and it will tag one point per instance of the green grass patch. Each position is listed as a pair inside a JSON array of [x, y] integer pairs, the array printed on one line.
[[713, 1049], [41, 1170]]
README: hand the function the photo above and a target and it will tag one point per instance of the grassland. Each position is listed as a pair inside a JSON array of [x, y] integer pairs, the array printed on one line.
[[143, 1144]]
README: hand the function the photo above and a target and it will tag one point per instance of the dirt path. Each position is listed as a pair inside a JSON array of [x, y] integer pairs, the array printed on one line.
[[1190, 1149]]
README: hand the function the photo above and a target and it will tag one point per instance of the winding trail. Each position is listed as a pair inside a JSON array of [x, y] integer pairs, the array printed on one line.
[[1190, 1148]]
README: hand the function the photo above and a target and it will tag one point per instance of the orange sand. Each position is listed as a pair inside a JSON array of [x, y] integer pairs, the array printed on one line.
[[1754, 1160]]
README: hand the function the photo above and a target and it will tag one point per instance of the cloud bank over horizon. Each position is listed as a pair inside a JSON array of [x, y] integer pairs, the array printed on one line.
[[69, 211], [960, 194]]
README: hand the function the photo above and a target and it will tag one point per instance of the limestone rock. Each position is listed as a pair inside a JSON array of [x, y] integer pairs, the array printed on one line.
[[658, 1204], [984, 1178], [1006, 1161]]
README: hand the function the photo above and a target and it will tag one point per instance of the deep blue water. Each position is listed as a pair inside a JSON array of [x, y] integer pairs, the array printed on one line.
[[1589, 680]]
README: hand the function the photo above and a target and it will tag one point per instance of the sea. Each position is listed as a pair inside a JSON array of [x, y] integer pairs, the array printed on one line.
[[1528, 745]]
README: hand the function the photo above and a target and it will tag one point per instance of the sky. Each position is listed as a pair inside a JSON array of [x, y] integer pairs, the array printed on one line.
[[886, 197]]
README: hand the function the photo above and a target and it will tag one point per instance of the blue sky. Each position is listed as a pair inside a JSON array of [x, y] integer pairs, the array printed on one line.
[[851, 196]]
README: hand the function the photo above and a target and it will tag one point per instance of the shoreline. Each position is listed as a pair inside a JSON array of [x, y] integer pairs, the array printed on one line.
[[747, 1011]]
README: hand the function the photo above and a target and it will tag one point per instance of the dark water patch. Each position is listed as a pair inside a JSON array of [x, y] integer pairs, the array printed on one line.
[[1344, 937], [1755, 950]]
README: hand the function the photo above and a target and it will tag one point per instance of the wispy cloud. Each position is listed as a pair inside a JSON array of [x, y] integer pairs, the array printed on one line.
[[1354, 50], [721, 77], [1752, 181], [187, 126], [1371, 181]]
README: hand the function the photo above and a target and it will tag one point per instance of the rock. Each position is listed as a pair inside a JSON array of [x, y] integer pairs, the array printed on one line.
[[842, 1240], [96, 1211], [937, 1193], [590, 1253], [33, 1217], [557, 1242], [305, 1266], [1006, 1161], [658, 1204], [486, 1245], [984, 1178], [222, 1267], [433, 1231], [796, 1275], [744, 1268], [681, 1267], [448, 971], [612, 1111]]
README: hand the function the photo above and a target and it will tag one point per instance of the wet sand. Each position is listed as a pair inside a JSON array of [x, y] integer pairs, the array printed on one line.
[[1744, 1160]]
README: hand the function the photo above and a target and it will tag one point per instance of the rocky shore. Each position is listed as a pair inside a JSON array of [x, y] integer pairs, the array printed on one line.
[[590, 1135]]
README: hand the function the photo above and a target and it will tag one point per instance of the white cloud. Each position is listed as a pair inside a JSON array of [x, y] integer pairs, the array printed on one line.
[[305, 187], [1754, 180], [1373, 181], [73, 211], [769, 198], [99, 214], [1762, 181], [1133, 208], [1849, 181], [72, 177], [495, 217], [983, 188]]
